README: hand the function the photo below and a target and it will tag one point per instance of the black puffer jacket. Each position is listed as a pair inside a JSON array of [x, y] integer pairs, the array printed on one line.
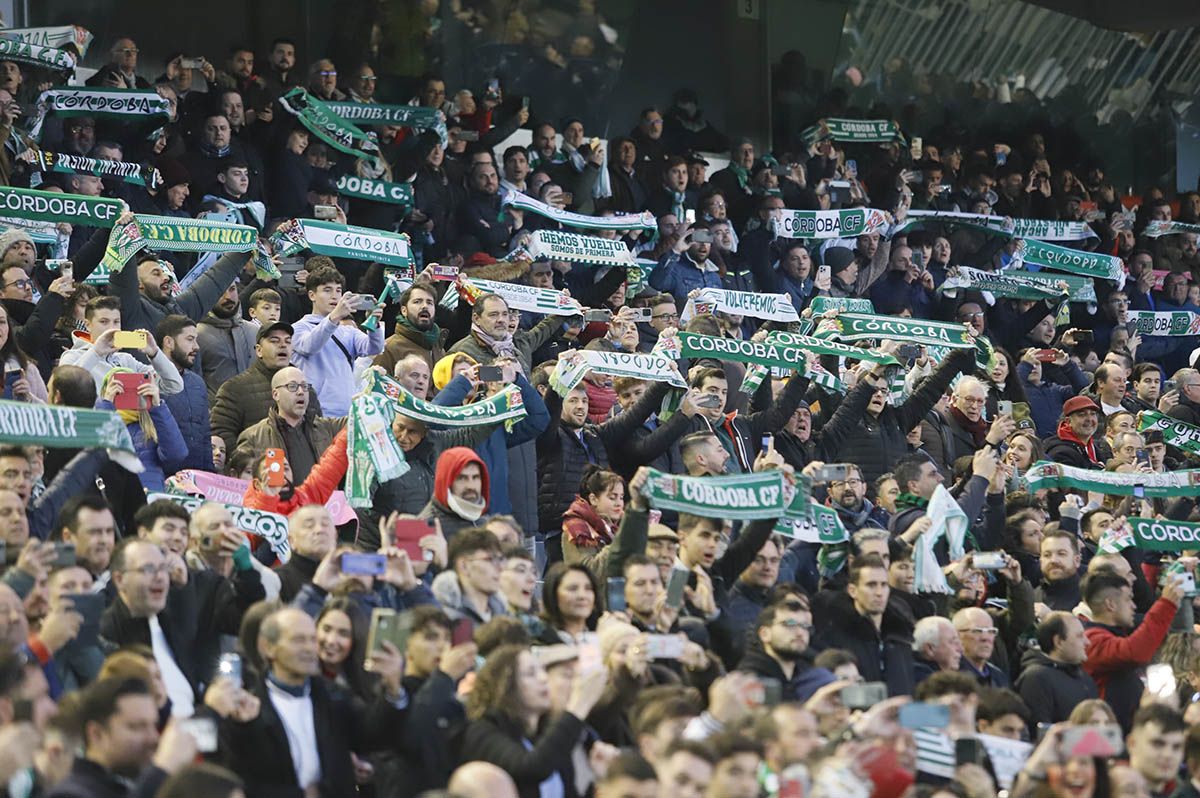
[[245, 400], [883, 655], [1052, 689], [875, 444]]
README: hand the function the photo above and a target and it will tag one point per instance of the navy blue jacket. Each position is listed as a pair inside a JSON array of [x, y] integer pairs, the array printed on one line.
[[190, 409]]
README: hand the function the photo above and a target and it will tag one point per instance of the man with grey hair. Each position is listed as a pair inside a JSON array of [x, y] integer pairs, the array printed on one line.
[[966, 429], [936, 647], [977, 638], [412, 371]]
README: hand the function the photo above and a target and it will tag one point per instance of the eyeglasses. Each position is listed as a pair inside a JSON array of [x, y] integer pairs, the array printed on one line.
[[128, 51], [295, 387], [20, 284], [328, 73], [979, 630], [972, 400], [494, 560], [965, 316], [792, 623], [367, 78], [850, 481], [149, 570], [671, 316]]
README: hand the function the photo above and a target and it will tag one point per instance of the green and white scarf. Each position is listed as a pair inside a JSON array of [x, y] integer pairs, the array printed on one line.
[[1041, 229], [741, 497], [375, 190], [790, 353], [1019, 284], [774, 307], [854, 130], [846, 223], [637, 276], [576, 248], [1154, 229], [56, 37], [823, 524], [529, 298], [507, 406], [572, 366], [271, 527], [1174, 323], [413, 116], [64, 163], [392, 290], [950, 522], [1179, 434], [625, 221], [326, 124], [1045, 474], [342, 241], [175, 234], [41, 234], [1165, 535], [59, 427], [823, 304], [36, 55], [1074, 261], [125, 105], [54, 206], [373, 454], [863, 327]]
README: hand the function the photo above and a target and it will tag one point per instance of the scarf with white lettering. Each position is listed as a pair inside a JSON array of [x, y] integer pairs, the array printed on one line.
[[773, 307], [373, 453], [325, 124], [574, 365], [1049, 475], [342, 241], [1179, 434], [59, 427], [950, 522]]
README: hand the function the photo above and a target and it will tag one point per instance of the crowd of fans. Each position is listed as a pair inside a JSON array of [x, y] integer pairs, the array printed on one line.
[[552, 633]]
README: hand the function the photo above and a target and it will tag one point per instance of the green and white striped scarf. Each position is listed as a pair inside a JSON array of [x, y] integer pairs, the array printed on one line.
[[1073, 261], [1154, 229], [1179, 434], [1045, 474], [55, 206], [1019, 284], [124, 105], [739, 497], [1165, 535], [507, 406], [624, 221], [327, 125], [772, 307], [1041, 229], [574, 365], [791, 351], [373, 453], [528, 298], [36, 55], [853, 130], [416, 117], [1173, 323], [950, 522], [375, 190], [342, 241], [174, 234], [845, 223]]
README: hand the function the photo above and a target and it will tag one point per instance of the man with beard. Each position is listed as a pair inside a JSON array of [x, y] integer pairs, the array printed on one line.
[[227, 341], [1052, 681], [177, 337], [144, 291], [1075, 443], [1060, 559], [292, 425], [783, 631], [460, 491], [416, 333], [849, 499], [703, 455], [280, 75]]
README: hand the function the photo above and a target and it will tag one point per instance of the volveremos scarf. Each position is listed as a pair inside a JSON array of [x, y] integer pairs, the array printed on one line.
[[54, 206], [126, 105], [1165, 535], [950, 522], [506, 406], [1020, 284], [501, 346], [790, 353], [416, 117], [58, 427], [342, 241], [572, 366], [174, 234], [1041, 229], [1154, 229], [741, 497], [271, 527], [375, 190], [576, 248], [326, 124], [624, 221], [64, 163], [56, 37], [1074, 261], [1168, 323], [775, 307], [846, 223], [856, 130], [528, 297], [373, 454], [1179, 434], [1045, 474]]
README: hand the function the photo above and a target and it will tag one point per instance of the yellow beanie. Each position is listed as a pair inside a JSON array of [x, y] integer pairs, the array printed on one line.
[[443, 370]]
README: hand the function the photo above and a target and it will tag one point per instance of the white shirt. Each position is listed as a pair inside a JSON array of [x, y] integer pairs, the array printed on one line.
[[179, 690], [296, 714]]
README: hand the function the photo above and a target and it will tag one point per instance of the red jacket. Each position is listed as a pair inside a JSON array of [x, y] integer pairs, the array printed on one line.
[[321, 483], [1115, 660]]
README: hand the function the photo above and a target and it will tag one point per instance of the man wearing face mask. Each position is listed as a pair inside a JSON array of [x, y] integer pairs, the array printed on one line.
[[460, 491]]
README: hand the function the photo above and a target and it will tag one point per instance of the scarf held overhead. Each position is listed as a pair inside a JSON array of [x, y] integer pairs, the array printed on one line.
[[576, 248], [124, 105], [271, 527], [868, 131], [742, 497], [1045, 474], [774, 307], [846, 223], [64, 163], [174, 234], [791, 352], [342, 241], [57, 37], [572, 366], [527, 297], [507, 406], [624, 221], [53, 206], [1179, 434], [325, 123]]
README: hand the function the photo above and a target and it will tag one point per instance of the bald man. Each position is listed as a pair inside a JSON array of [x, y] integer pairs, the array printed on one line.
[[977, 633], [292, 424], [481, 780]]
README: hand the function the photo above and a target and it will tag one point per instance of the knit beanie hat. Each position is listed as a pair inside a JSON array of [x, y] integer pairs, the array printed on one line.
[[12, 236], [173, 172], [443, 370]]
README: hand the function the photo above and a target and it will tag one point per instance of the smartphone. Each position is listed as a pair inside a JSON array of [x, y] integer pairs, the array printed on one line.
[[1046, 355], [191, 63], [689, 216], [407, 535], [824, 272], [598, 315], [1083, 336], [363, 563], [864, 695], [616, 594], [10, 380], [969, 751], [525, 102], [675, 585], [772, 691], [1169, 386], [664, 646], [702, 237], [832, 472], [229, 666], [1004, 407], [767, 443], [917, 148], [473, 135], [1094, 741], [1143, 457], [643, 314], [493, 87], [924, 716], [852, 168], [274, 458], [491, 373], [1001, 158], [464, 632], [908, 352], [385, 626], [128, 399], [90, 606], [326, 212], [709, 400], [988, 560], [129, 339], [203, 730], [58, 264], [449, 273]]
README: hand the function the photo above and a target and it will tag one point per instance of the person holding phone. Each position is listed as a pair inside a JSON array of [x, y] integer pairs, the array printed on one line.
[[686, 267], [156, 435]]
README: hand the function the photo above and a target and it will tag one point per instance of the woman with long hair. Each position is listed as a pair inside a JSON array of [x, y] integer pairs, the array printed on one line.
[[1002, 381], [1053, 771], [156, 436], [341, 645], [22, 380], [510, 724], [593, 517], [570, 607]]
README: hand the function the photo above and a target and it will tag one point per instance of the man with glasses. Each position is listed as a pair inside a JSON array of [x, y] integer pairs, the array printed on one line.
[[749, 594], [784, 631], [293, 424], [16, 284], [849, 500], [475, 563], [977, 635], [967, 430], [121, 70], [1187, 387], [322, 81]]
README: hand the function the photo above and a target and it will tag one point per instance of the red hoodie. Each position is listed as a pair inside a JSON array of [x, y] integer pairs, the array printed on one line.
[[1067, 434], [451, 462]]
